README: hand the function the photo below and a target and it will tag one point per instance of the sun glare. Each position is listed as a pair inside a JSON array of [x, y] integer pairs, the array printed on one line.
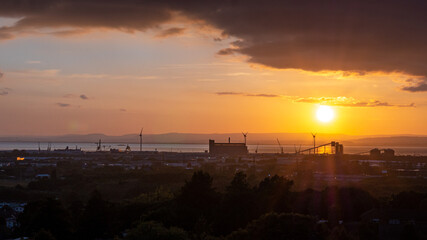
[[325, 114]]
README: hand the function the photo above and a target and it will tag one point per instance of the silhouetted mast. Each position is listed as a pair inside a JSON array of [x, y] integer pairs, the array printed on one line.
[[98, 147], [281, 148], [140, 140]]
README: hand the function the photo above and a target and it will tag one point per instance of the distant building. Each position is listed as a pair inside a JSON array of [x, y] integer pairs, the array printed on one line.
[[339, 149], [381, 153], [388, 153], [227, 148], [375, 153]]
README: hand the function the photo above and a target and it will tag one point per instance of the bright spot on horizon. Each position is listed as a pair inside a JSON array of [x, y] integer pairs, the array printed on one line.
[[325, 114]]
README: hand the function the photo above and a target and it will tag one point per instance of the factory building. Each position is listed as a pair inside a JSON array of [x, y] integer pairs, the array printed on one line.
[[381, 153], [227, 148], [339, 148]]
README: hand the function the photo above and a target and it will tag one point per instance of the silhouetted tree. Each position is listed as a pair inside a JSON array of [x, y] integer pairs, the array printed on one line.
[[273, 194], [155, 231], [407, 200], [409, 231], [49, 215], [44, 235], [96, 218], [198, 199], [275, 226], [237, 208]]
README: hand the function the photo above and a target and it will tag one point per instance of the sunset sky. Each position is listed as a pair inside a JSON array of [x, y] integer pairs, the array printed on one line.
[[77, 67]]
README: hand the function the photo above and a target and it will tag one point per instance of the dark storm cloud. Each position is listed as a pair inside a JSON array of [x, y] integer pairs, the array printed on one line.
[[126, 15], [329, 35], [313, 35]]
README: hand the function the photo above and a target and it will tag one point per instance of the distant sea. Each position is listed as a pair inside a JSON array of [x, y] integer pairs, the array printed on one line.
[[419, 151]]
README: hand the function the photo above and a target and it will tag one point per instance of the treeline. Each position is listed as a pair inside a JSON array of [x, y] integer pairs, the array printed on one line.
[[269, 210]]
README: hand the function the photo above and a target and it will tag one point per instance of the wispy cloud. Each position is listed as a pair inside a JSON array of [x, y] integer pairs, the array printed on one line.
[[4, 91], [112, 77], [226, 51], [171, 32], [333, 101], [266, 95], [415, 85], [63, 104], [229, 93], [55, 74], [349, 102], [84, 97]]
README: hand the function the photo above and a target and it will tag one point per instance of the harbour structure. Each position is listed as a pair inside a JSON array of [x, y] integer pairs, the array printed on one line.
[[227, 148]]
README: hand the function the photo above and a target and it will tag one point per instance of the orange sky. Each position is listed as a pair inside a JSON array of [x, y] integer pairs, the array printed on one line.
[[115, 82]]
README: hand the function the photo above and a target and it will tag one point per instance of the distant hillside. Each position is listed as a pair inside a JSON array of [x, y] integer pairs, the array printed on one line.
[[407, 141], [253, 138]]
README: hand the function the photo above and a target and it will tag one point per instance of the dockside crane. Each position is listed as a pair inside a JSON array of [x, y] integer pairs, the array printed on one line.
[[98, 145], [281, 148]]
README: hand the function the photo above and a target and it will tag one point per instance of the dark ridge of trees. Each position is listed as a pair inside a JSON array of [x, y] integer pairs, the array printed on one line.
[[48, 215], [44, 235], [274, 226], [266, 210], [197, 203], [155, 231]]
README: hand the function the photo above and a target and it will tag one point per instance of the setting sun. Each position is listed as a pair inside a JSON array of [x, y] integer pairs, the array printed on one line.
[[325, 114]]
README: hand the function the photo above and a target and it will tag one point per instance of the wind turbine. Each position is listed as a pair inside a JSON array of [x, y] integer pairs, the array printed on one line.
[[140, 140], [314, 142], [244, 135]]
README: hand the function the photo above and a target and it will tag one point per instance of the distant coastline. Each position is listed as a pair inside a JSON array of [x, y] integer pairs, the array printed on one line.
[[254, 139]]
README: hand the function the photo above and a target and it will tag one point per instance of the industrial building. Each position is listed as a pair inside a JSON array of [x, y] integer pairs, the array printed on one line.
[[227, 148], [384, 153], [339, 148]]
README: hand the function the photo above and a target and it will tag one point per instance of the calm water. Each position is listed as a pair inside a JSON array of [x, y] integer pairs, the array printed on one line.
[[196, 147]]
